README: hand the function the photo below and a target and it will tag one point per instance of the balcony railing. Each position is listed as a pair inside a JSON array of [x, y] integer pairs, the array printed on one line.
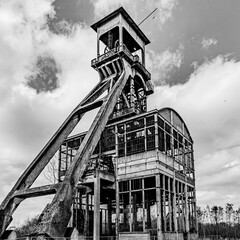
[[117, 51], [104, 163]]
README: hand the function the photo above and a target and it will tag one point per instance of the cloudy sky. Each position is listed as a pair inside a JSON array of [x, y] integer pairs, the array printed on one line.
[[194, 57]]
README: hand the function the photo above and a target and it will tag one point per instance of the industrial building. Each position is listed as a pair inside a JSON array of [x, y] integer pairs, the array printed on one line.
[[132, 173], [143, 166]]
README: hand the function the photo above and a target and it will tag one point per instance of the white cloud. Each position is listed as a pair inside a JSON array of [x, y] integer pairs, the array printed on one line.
[[209, 103], [208, 42], [163, 65], [28, 119], [164, 9], [104, 7], [163, 14]]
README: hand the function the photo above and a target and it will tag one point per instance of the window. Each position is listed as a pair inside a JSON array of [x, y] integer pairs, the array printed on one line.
[[124, 186], [135, 142], [160, 123], [149, 182], [150, 120], [150, 138], [136, 184], [135, 124]]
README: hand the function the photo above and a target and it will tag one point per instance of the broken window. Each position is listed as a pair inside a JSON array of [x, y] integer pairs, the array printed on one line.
[[150, 138], [135, 142]]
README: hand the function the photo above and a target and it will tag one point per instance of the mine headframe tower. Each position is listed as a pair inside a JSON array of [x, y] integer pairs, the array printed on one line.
[[125, 84]]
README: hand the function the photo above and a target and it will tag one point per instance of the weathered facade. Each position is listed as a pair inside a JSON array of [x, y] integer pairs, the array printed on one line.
[[131, 175], [143, 173]]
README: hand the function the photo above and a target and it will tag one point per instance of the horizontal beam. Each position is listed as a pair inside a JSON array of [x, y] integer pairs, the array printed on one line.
[[37, 191], [107, 176]]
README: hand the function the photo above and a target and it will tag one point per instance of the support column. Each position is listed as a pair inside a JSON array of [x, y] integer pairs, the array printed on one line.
[[158, 198], [144, 206], [169, 204], [178, 207], [174, 204], [117, 209], [186, 209], [86, 223], [96, 221], [98, 47], [120, 33], [164, 205], [156, 131], [130, 206]]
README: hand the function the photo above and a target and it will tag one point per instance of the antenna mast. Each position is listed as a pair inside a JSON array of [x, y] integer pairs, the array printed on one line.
[[147, 16]]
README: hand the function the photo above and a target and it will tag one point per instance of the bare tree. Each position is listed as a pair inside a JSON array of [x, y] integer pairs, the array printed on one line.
[[229, 213], [217, 214], [51, 172]]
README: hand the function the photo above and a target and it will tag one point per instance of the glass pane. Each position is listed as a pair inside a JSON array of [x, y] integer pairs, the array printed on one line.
[[149, 182], [124, 216], [136, 184], [150, 209], [137, 211], [150, 120]]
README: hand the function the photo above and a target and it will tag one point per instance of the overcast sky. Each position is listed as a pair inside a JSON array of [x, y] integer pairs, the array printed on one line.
[[46, 47]]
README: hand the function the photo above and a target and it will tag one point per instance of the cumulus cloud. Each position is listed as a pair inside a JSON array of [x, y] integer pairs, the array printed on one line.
[[163, 65], [29, 113], [209, 104], [163, 13], [208, 42], [104, 7]]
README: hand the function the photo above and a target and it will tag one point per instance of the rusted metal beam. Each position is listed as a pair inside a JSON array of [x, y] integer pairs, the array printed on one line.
[[37, 191], [9, 205], [56, 216]]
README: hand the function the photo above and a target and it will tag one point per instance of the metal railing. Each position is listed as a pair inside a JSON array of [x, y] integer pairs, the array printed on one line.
[[114, 51]]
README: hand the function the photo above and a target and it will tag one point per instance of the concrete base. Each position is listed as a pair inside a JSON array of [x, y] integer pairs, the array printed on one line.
[[134, 236], [172, 236], [193, 236], [179, 236]]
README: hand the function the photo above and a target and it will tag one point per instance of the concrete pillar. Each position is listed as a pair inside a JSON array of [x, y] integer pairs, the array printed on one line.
[[98, 47], [156, 131], [130, 207], [169, 204], [174, 205], [164, 204], [159, 209], [120, 33], [186, 209], [117, 209], [96, 221], [144, 206]]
